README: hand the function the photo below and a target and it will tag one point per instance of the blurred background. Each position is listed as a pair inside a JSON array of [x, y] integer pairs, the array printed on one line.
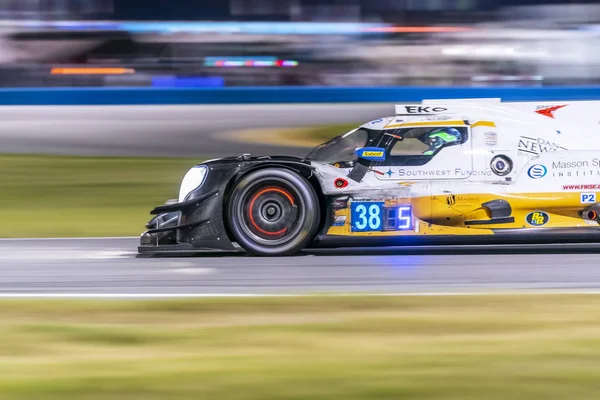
[[92, 163], [160, 43], [86, 78]]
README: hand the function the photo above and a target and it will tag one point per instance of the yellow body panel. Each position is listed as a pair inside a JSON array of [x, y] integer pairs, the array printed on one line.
[[427, 123], [440, 123], [451, 214], [483, 123]]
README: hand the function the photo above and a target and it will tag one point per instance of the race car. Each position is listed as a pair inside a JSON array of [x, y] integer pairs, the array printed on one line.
[[440, 172]]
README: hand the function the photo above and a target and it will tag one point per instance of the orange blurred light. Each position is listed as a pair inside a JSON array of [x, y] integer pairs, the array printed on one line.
[[419, 29], [92, 71]]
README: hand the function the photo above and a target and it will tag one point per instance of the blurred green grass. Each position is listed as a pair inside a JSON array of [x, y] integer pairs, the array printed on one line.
[[58, 196], [440, 347], [67, 196]]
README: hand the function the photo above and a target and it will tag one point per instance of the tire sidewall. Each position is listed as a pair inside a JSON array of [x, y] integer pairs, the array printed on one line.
[[309, 224]]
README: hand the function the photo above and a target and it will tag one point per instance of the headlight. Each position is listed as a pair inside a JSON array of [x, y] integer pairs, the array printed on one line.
[[192, 180]]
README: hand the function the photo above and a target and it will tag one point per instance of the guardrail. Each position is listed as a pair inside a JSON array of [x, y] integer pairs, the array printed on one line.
[[275, 95]]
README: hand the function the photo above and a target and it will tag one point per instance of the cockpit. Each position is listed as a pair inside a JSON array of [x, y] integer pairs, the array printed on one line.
[[403, 146]]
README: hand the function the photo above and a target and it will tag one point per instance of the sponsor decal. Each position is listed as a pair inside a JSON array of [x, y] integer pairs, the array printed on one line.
[[454, 199], [457, 172], [537, 218], [340, 220], [548, 111], [576, 168], [423, 109], [340, 183], [491, 138], [588, 198], [535, 146], [501, 165], [438, 118], [537, 171], [581, 187], [570, 164], [370, 199], [376, 121], [371, 153]]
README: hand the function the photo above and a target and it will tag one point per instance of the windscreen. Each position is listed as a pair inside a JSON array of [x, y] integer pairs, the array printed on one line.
[[341, 149]]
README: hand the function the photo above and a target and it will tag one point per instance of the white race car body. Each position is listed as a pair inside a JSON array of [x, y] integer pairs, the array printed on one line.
[[519, 165], [443, 171]]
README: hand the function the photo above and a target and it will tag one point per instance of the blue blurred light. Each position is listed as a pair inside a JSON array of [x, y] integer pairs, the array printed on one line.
[[173, 81], [264, 28]]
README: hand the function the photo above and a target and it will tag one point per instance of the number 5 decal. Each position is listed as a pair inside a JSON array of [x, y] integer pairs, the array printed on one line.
[[404, 218]]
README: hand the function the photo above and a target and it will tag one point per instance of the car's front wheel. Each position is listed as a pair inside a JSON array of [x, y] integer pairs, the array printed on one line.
[[273, 212]]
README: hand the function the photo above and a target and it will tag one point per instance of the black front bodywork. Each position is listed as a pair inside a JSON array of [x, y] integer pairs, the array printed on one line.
[[199, 222]]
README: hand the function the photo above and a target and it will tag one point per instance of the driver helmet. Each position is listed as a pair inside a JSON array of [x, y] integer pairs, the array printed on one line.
[[438, 137]]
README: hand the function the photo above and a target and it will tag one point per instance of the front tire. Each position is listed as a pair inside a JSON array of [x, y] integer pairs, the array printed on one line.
[[273, 212]]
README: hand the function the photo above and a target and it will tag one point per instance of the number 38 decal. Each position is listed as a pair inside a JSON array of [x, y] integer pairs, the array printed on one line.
[[366, 216], [373, 216]]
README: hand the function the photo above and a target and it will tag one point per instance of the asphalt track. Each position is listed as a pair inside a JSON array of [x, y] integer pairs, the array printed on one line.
[[87, 267], [178, 131]]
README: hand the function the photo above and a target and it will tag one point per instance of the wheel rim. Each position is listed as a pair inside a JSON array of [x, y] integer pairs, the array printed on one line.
[[271, 212]]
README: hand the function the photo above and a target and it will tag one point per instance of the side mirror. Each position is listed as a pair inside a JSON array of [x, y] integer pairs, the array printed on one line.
[[371, 153]]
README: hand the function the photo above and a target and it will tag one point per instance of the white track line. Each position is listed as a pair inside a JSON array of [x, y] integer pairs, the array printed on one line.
[[248, 295]]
